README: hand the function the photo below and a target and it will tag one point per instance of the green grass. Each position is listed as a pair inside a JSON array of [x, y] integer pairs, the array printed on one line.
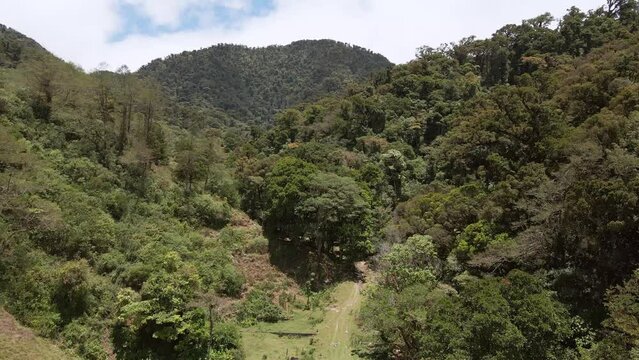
[[334, 336], [19, 343], [333, 332], [259, 342]]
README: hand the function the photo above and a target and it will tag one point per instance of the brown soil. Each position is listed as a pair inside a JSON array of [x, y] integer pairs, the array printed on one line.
[[257, 269]]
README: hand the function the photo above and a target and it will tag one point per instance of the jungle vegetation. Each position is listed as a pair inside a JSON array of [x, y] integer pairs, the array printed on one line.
[[493, 184]]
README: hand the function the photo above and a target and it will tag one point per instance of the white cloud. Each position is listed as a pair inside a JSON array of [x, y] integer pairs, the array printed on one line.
[[78, 30], [168, 12], [71, 29]]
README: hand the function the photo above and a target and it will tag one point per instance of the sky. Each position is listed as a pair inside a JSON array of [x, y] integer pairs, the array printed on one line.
[[109, 33]]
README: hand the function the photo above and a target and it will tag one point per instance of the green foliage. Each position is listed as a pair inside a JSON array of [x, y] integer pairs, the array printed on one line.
[[501, 158], [226, 76], [15, 47], [226, 337], [410, 263], [623, 323], [512, 318], [337, 213], [191, 165], [476, 237], [220, 355], [258, 306], [257, 245], [286, 183], [205, 210], [88, 208], [160, 321], [86, 339], [231, 281], [73, 294]]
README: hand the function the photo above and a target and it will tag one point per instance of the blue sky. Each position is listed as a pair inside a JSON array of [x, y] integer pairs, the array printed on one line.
[[194, 15], [93, 33]]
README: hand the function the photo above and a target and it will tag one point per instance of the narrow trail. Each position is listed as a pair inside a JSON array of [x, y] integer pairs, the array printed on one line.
[[334, 336]]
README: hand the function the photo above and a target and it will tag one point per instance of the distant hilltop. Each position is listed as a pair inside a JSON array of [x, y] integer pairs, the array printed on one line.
[[251, 84]]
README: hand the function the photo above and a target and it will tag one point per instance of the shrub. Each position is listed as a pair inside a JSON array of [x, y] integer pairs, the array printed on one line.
[[116, 203], [259, 307], [257, 245], [73, 294], [135, 275], [211, 212], [87, 173], [231, 281], [232, 238], [476, 237], [220, 355], [85, 340], [205, 210], [226, 336], [109, 262], [222, 183]]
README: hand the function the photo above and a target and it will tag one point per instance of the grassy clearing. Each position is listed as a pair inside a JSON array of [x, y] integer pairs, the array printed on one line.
[[333, 327], [19, 343], [260, 342], [334, 336]]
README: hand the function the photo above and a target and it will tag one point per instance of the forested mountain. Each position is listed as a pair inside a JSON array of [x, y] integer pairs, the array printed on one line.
[[252, 84], [494, 180], [492, 185], [15, 47]]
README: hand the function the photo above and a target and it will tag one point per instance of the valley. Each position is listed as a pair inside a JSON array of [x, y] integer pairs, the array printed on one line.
[[315, 201]]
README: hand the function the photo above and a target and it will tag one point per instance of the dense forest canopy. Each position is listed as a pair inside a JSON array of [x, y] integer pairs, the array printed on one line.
[[491, 184], [252, 84]]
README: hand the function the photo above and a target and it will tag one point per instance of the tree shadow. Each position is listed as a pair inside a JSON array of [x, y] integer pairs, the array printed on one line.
[[300, 261]]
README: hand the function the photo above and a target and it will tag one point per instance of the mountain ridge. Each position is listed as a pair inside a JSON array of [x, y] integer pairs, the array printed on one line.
[[234, 82], [249, 82], [15, 47]]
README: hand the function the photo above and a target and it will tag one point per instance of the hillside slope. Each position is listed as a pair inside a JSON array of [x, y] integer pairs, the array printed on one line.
[[253, 83], [16, 47], [17, 342], [493, 186]]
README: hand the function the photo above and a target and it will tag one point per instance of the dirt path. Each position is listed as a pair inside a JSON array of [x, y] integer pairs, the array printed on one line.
[[334, 336], [333, 339]]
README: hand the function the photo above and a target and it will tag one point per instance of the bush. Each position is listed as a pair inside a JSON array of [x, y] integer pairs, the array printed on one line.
[[109, 262], [226, 336], [73, 295], [476, 237], [116, 203], [211, 212], [259, 307], [231, 281], [232, 238], [4, 106], [257, 245], [85, 340], [28, 297], [243, 239], [222, 183], [221, 355], [87, 173], [205, 210], [135, 275]]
